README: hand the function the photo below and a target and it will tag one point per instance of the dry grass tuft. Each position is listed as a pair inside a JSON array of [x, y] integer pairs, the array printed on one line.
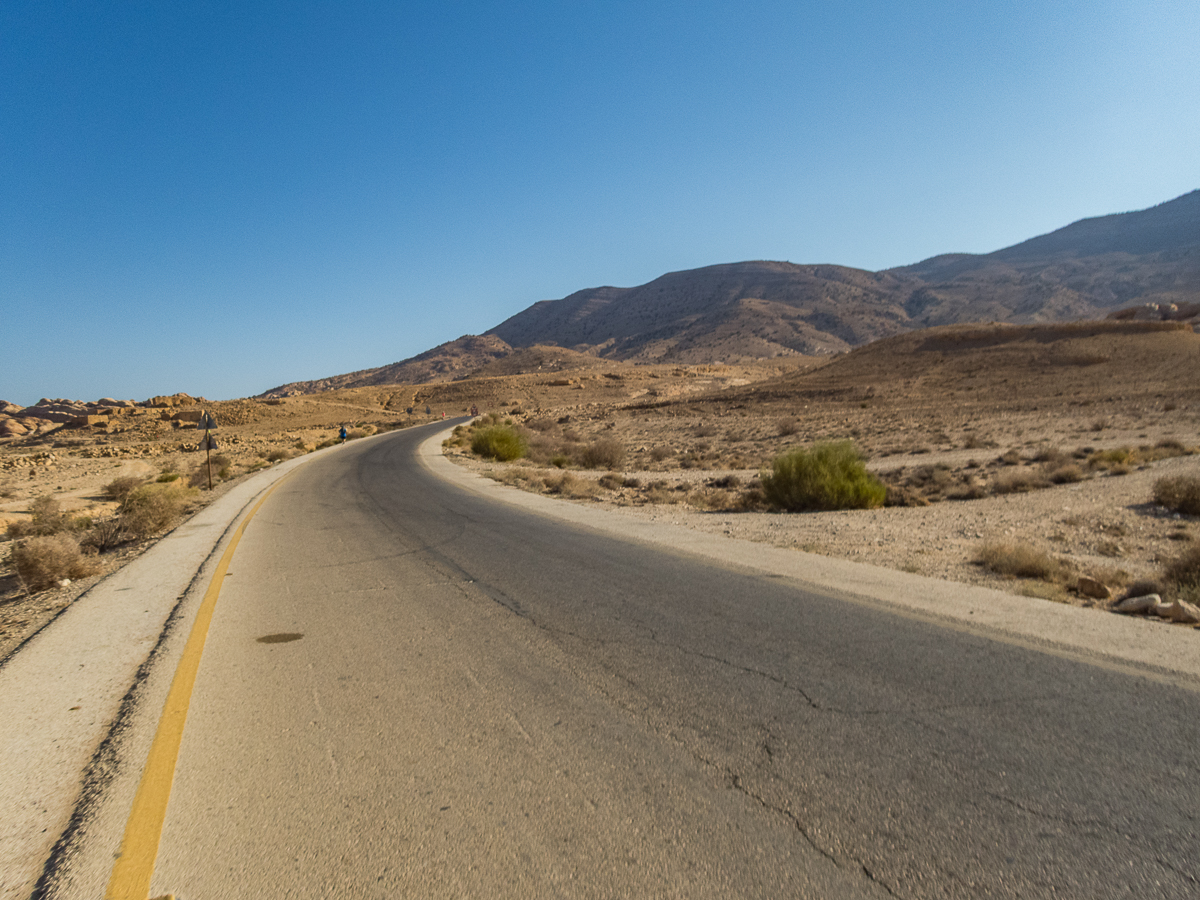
[[1021, 561], [605, 453], [1180, 493], [155, 507], [43, 561], [120, 488]]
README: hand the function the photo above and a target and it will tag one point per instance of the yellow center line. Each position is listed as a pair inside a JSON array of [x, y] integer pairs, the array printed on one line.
[[131, 874]]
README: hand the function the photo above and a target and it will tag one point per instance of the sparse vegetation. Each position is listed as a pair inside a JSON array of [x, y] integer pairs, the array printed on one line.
[[120, 488], [42, 561], [1184, 573], [605, 453], [46, 518], [1180, 493], [153, 508], [1021, 560], [829, 476]]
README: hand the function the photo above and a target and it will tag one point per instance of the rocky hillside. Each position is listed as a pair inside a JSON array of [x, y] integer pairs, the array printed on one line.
[[445, 362], [736, 312]]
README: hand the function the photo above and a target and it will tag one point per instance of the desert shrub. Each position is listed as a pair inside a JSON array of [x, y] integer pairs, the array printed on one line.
[[106, 535], [167, 477], [499, 442], [611, 481], [43, 561], [1184, 572], [1010, 458], [1067, 473], [1141, 587], [727, 481], [1180, 493], [605, 453], [541, 424], [1052, 457], [1020, 560], [46, 518], [661, 452], [1116, 462], [1019, 481], [120, 488], [155, 507], [904, 495], [569, 485], [279, 455], [787, 427], [972, 489], [829, 476], [977, 442]]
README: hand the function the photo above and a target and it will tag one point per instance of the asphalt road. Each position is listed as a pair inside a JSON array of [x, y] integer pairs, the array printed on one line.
[[485, 703]]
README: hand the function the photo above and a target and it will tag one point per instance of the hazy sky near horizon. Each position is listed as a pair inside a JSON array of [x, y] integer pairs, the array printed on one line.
[[220, 197]]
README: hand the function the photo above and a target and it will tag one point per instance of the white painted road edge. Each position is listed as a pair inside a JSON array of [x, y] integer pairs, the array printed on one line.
[[61, 692], [1149, 647]]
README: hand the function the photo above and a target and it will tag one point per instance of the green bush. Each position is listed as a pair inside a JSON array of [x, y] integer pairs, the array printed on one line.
[[829, 476], [499, 442]]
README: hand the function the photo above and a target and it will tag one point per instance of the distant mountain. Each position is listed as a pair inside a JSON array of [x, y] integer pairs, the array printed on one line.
[[1085, 270], [763, 309]]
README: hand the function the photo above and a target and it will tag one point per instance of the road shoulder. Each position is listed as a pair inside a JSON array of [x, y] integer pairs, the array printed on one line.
[[1145, 647]]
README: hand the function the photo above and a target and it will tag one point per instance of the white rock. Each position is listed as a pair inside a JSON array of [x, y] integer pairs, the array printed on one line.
[[1131, 605]]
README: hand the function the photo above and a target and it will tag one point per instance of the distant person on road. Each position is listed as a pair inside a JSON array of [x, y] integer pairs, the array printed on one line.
[[342, 434]]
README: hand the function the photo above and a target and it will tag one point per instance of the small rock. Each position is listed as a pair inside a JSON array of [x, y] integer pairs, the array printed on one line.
[[1134, 605], [1090, 587], [1179, 611]]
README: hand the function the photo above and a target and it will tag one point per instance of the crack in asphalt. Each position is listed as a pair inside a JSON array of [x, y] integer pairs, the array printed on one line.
[[732, 777], [1098, 825]]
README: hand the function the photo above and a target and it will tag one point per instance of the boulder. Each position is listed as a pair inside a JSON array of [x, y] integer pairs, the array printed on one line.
[[1138, 605], [1090, 587], [1179, 611]]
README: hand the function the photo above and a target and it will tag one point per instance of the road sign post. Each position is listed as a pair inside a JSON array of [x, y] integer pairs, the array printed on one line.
[[209, 424]]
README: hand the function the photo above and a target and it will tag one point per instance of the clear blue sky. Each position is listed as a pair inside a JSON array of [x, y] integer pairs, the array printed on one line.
[[219, 197]]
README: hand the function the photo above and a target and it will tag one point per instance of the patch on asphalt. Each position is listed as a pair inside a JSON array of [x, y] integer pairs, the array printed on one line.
[[279, 638]]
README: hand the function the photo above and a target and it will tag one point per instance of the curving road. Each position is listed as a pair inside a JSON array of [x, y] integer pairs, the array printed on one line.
[[485, 703]]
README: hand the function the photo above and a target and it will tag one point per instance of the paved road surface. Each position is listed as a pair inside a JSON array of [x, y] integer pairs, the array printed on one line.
[[485, 703]]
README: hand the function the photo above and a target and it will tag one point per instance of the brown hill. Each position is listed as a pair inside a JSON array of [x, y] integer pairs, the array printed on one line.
[[724, 313], [764, 309], [1084, 270], [445, 362], [738, 312], [1000, 366]]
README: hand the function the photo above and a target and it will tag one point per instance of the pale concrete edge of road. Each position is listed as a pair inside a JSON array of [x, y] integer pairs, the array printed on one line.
[[1145, 647], [62, 722]]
